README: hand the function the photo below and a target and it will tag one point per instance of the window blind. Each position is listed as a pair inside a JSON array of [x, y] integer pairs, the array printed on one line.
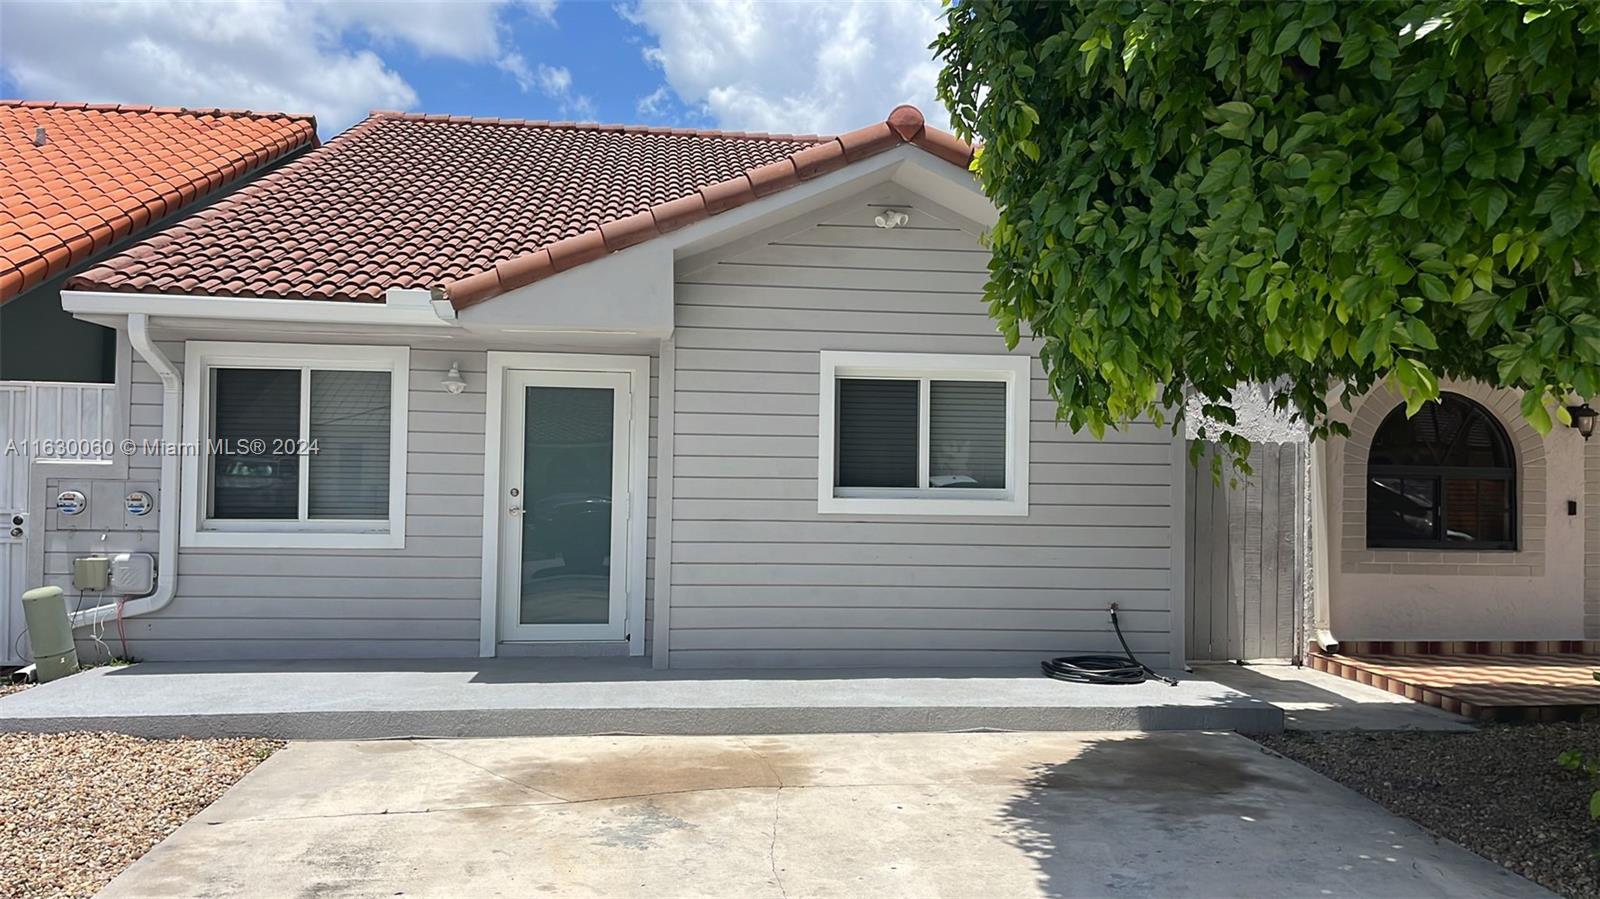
[[967, 434], [255, 408], [349, 470], [877, 432]]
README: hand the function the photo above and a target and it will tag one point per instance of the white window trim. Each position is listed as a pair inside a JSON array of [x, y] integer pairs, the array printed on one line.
[[202, 356], [1014, 371]]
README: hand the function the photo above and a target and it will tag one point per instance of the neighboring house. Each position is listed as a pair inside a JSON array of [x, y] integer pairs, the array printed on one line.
[[1460, 525], [1459, 530], [450, 387], [80, 180]]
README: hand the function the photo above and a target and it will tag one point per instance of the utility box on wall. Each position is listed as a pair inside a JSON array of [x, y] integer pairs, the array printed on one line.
[[133, 574]]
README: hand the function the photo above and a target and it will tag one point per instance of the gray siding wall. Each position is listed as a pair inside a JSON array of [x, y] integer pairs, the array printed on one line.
[[760, 578], [422, 601]]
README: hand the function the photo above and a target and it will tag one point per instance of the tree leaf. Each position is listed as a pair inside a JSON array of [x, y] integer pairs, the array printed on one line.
[[1252, 287], [1220, 175], [1415, 83], [1311, 49], [1455, 148], [1533, 409], [1433, 288], [1422, 335], [1393, 199], [1566, 214], [1502, 95], [1286, 237], [1236, 111], [1488, 204], [1511, 163], [1287, 38], [1481, 164]]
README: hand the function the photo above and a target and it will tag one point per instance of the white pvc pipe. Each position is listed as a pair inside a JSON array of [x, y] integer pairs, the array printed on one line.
[[171, 434]]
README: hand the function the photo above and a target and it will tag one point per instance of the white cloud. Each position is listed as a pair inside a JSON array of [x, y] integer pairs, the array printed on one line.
[[654, 103], [555, 82], [514, 65], [821, 67], [285, 55], [462, 30]]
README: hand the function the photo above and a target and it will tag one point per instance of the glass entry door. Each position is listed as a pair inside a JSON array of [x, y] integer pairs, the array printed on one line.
[[564, 501]]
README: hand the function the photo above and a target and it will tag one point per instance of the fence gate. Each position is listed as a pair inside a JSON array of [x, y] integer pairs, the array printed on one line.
[[1247, 557], [32, 411]]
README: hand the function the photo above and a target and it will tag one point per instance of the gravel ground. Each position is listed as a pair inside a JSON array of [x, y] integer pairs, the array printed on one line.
[[6, 689], [75, 809], [1497, 791]]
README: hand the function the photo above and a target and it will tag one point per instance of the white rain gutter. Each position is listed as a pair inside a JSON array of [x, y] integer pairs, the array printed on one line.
[[405, 307], [171, 434]]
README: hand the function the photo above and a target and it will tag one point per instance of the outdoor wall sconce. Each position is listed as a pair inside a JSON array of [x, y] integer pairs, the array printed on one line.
[[1583, 419], [454, 384]]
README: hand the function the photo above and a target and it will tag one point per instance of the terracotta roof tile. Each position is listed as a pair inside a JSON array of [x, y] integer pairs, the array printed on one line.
[[473, 207], [105, 171]]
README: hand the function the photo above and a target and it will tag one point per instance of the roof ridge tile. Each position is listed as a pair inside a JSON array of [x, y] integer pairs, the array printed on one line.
[[142, 108], [600, 127]]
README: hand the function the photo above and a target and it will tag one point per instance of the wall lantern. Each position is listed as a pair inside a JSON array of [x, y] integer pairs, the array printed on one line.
[[1583, 419], [453, 382]]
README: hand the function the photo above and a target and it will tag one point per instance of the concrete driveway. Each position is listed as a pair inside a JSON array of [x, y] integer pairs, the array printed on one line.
[[956, 815]]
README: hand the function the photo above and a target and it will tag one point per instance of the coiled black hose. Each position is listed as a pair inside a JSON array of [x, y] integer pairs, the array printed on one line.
[[1103, 669]]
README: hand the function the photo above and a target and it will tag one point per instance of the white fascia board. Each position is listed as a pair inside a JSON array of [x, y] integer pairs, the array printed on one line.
[[86, 303]]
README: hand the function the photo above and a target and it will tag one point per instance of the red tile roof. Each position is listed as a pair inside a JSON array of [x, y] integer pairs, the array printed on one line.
[[474, 207], [106, 171], [904, 125]]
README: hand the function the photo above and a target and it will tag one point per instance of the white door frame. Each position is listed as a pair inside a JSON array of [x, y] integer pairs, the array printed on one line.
[[637, 442]]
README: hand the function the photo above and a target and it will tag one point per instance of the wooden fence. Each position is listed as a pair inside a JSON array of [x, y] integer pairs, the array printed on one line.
[[1248, 557]]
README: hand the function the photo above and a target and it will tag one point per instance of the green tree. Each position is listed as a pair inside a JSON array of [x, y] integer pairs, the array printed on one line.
[[1316, 195]]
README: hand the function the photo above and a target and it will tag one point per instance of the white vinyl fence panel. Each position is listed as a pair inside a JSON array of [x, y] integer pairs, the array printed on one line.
[[39, 419]]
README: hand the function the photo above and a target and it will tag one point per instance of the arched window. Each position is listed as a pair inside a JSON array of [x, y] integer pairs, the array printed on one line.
[[1443, 479]]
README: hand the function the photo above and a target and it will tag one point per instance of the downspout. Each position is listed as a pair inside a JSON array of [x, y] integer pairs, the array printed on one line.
[[1321, 620], [171, 434]]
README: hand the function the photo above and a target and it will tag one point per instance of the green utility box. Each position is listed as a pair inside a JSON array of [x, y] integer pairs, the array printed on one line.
[[49, 634]]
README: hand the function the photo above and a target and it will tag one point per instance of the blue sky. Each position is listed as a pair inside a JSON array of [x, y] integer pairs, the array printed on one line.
[[777, 65], [592, 42]]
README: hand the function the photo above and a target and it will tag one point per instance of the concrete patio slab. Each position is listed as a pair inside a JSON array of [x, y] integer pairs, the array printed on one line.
[[1316, 700], [539, 697], [1016, 814]]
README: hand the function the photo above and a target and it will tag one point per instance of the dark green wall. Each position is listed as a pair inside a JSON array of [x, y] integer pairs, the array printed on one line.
[[40, 342]]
